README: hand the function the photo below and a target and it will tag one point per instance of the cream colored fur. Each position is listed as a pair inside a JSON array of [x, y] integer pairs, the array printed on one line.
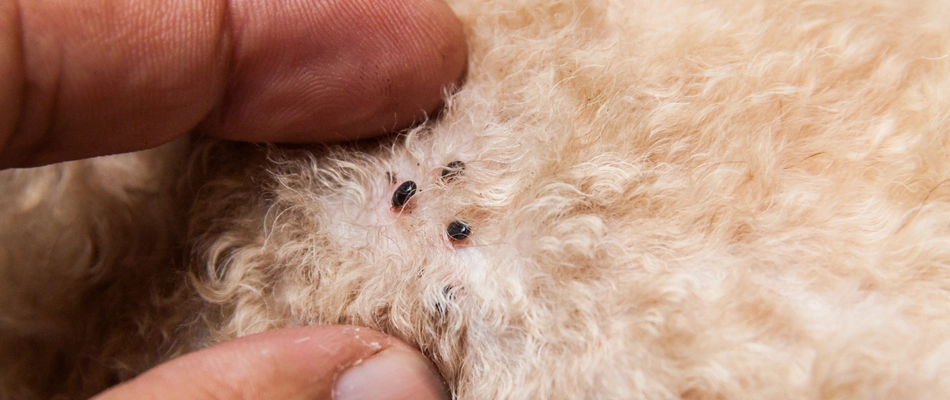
[[668, 199]]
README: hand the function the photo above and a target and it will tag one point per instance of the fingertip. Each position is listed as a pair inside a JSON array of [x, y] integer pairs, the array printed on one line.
[[305, 362], [395, 373], [337, 70]]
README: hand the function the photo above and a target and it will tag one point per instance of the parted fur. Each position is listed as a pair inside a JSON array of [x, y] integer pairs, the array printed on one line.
[[668, 199]]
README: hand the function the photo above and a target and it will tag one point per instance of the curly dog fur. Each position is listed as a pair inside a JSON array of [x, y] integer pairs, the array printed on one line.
[[668, 199]]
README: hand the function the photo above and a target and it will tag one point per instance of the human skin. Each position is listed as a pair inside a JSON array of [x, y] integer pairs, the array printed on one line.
[[94, 77], [316, 362]]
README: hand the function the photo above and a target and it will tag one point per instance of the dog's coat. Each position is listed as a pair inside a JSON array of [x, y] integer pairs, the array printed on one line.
[[667, 199]]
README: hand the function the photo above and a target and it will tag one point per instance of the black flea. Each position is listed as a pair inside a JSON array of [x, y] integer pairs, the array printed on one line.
[[452, 170], [403, 193], [458, 230]]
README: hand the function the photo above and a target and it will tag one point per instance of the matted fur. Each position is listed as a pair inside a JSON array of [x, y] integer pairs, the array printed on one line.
[[669, 199]]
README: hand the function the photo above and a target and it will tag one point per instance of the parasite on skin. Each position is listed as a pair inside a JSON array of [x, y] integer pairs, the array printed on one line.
[[403, 193], [452, 170], [458, 230], [448, 294]]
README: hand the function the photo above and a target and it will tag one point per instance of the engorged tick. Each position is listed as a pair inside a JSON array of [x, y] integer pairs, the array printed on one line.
[[452, 170], [403, 193], [458, 230]]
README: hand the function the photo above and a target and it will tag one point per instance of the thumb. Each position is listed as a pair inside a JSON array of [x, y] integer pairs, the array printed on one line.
[[317, 362]]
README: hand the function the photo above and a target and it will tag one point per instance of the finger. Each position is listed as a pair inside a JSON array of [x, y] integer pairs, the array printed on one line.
[[320, 362], [105, 76], [337, 69]]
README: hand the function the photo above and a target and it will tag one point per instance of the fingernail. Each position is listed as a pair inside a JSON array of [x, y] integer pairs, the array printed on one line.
[[393, 373]]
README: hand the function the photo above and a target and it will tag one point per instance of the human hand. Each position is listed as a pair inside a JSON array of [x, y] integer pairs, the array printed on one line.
[[316, 362], [94, 77]]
